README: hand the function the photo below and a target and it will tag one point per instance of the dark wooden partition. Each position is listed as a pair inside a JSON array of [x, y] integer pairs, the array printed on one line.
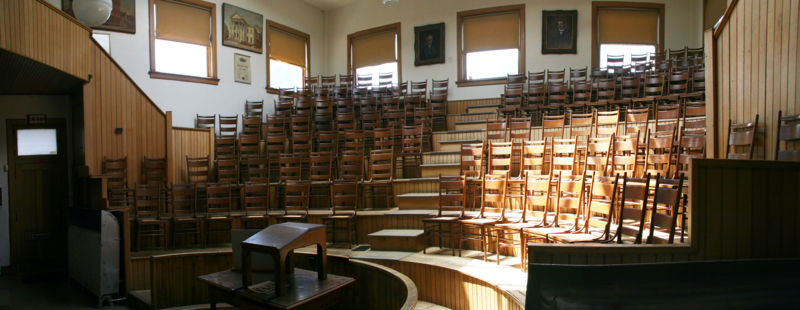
[[740, 209]]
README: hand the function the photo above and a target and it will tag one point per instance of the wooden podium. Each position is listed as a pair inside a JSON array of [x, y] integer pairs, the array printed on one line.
[[294, 288]]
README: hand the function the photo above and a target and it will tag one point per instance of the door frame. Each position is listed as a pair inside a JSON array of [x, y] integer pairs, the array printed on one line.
[[62, 143]]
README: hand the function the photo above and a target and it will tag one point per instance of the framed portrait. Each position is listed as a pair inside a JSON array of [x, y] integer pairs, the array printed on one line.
[[122, 19], [429, 44], [560, 32], [242, 28], [241, 65]]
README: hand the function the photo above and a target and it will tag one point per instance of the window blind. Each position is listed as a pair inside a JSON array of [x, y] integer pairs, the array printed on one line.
[[374, 49], [628, 26], [490, 32], [183, 23], [287, 47]]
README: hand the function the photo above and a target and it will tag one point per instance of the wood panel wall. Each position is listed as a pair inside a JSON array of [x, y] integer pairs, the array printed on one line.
[[453, 289], [740, 209], [756, 68], [41, 32], [460, 106], [112, 100], [191, 142]]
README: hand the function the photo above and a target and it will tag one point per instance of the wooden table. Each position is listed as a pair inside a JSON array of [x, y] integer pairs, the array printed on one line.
[[304, 290]]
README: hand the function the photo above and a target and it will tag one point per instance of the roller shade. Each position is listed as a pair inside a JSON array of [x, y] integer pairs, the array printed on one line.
[[287, 47], [374, 49], [183, 23], [491, 32], [628, 26]]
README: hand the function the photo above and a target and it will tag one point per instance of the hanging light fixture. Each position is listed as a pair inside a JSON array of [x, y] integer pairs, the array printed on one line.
[[390, 2], [92, 12]]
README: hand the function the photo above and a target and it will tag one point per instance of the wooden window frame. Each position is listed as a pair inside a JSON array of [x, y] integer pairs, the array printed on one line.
[[462, 59], [596, 5], [212, 50], [307, 70], [399, 49]]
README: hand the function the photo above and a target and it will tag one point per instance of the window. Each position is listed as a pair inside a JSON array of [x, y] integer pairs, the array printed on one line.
[[32, 142], [289, 59], [183, 41], [374, 51], [491, 45], [623, 28]]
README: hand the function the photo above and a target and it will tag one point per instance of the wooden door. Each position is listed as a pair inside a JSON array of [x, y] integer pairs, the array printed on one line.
[[39, 197]]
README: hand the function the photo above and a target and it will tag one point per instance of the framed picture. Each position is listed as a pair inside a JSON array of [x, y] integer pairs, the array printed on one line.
[[122, 19], [560, 32], [241, 65], [429, 44], [242, 28]]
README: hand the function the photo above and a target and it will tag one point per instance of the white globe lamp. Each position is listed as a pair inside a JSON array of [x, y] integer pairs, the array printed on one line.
[[92, 12]]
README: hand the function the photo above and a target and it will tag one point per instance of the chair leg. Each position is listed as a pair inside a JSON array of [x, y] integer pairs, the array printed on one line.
[[484, 245], [138, 237], [450, 236], [426, 236], [460, 238]]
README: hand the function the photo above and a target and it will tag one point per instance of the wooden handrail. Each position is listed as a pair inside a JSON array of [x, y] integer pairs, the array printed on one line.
[[725, 18], [67, 16]]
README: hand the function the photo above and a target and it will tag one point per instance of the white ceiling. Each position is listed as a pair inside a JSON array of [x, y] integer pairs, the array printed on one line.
[[330, 5]]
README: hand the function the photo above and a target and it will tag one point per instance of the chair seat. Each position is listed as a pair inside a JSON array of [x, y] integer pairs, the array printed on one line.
[[150, 220], [375, 183], [339, 218], [255, 216], [573, 238], [217, 218], [441, 219], [480, 222], [545, 231], [515, 225], [186, 219], [291, 216]]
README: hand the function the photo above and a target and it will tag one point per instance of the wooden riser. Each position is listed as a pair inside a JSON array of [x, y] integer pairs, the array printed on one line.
[[449, 147], [471, 126], [418, 201], [433, 171], [482, 109], [440, 158], [404, 240]]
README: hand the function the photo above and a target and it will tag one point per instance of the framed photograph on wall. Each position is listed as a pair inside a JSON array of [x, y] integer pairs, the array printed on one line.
[[241, 65], [560, 32], [122, 19], [242, 28], [429, 44]]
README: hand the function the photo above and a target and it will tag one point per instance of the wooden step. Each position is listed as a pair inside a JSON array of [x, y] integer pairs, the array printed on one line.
[[471, 125], [433, 170], [454, 145], [403, 240], [441, 157], [418, 201], [483, 108]]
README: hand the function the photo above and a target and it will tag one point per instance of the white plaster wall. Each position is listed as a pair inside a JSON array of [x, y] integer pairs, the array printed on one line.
[[185, 99], [682, 29], [18, 107]]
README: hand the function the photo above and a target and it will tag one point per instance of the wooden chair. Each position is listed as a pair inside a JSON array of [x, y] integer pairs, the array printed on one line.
[[424, 117], [354, 141], [206, 121], [510, 101], [296, 202], [257, 168], [663, 225], [563, 159], [275, 145], [535, 192], [606, 92], [198, 170], [147, 203], [694, 113], [116, 170], [606, 123], [380, 176], [496, 130], [533, 158], [471, 158], [698, 80], [788, 131], [284, 107], [351, 166], [499, 158], [255, 205], [320, 175], [452, 201], [184, 213], [657, 56], [346, 121], [580, 128], [439, 106], [569, 199], [228, 125], [690, 145], [638, 121], [370, 120], [623, 159], [556, 98], [598, 155], [254, 109], [602, 196], [249, 145], [633, 210], [225, 147], [613, 62], [410, 157], [741, 140], [658, 157], [291, 169], [581, 97], [344, 205], [553, 126], [494, 193]]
